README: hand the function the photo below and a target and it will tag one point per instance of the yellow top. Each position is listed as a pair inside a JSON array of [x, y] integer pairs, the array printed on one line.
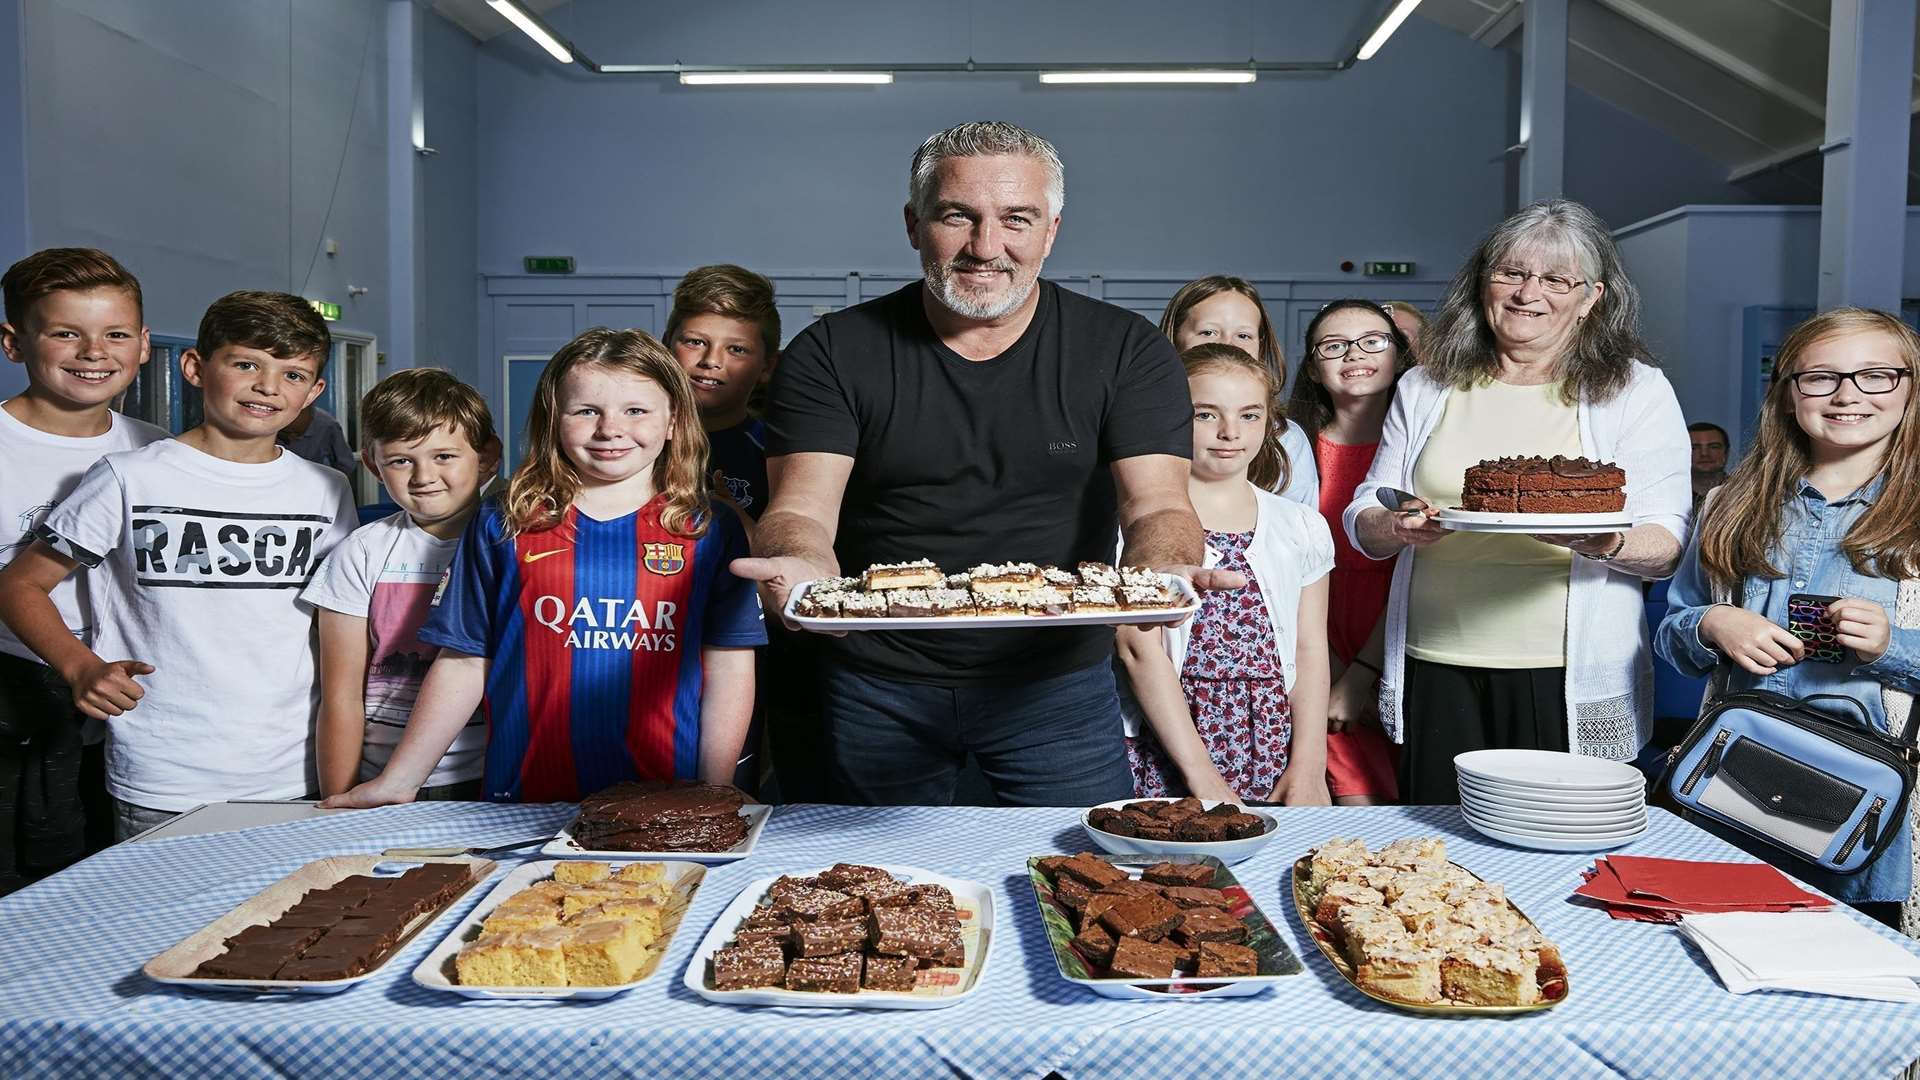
[[1490, 600]]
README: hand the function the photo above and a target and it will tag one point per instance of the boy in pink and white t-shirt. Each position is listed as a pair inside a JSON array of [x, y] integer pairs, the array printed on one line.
[[429, 437]]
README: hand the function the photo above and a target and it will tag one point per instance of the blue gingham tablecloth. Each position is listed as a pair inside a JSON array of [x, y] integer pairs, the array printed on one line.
[[1642, 1003]]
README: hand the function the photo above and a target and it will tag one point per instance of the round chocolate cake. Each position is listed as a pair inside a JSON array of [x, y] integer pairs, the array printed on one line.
[[661, 815], [1537, 485]]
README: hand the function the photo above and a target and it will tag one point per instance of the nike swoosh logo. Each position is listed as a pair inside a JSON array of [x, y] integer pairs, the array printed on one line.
[[536, 556]]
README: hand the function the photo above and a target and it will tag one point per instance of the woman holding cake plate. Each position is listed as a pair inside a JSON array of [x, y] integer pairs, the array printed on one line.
[[1504, 640]]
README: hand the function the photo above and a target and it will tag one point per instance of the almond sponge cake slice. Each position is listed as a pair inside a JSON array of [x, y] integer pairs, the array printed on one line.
[[1333, 859], [581, 873], [1404, 972], [1489, 975]]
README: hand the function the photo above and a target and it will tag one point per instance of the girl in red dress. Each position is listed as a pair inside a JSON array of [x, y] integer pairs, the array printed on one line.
[[1355, 354], [1232, 704]]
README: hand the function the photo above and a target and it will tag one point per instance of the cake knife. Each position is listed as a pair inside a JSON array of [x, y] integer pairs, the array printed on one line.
[[451, 852], [1396, 500]]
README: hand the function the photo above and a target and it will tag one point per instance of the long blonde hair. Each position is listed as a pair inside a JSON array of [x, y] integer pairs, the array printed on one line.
[[546, 483], [1213, 285], [1744, 523], [1270, 468]]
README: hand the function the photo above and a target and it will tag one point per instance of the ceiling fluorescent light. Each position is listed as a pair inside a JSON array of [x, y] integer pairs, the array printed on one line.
[[531, 26], [1386, 28], [1069, 78], [785, 78]]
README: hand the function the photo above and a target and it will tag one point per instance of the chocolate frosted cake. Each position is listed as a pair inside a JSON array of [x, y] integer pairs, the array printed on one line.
[[1537, 485], [653, 815]]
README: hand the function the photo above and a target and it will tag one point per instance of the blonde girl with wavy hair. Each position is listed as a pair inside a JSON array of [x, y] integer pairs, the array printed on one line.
[[1825, 510], [592, 609], [1233, 704]]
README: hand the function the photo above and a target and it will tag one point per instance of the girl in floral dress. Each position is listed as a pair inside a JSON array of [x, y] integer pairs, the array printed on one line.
[[1233, 704]]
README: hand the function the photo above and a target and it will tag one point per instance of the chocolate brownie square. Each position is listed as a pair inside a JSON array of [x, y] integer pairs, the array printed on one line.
[[1191, 875], [932, 897], [829, 936], [1131, 887], [1219, 959], [879, 894], [1140, 959], [1242, 826], [1180, 809], [1107, 819], [1050, 865], [838, 974], [748, 966], [842, 875], [1210, 924], [1092, 870], [1155, 829], [1095, 942], [1195, 898], [803, 904], [1205, 828], [1149, 917], [777, 936], [1071, 894], [910, 931], [890, 972]]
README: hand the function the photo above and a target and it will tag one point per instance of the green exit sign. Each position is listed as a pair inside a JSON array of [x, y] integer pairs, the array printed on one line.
[[328, 310], [1389, 269], [549, 264]]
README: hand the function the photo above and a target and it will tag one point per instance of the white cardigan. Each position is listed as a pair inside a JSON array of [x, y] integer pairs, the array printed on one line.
[[1609, 665], [1291, 549]]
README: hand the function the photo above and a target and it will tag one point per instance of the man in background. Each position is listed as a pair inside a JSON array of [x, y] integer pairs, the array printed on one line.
[[1709, 459]]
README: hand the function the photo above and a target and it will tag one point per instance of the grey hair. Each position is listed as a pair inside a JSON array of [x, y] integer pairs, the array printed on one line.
[[983, 138], [1458, 348]]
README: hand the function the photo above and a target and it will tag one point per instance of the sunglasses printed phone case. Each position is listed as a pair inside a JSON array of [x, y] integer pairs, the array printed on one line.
[[1807, 620]]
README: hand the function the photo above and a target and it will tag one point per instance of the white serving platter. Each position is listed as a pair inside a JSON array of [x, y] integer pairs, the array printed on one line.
[[564, 846], [1556, 824], [1553, 800], [436, 971], [939, 987], [1189, 603], [1553, 815], [1227, 851], [1549, 770], [1546, 843], [1562, 524], [175, 967]]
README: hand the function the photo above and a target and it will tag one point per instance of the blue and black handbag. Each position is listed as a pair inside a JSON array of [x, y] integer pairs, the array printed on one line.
[[1828, 788]]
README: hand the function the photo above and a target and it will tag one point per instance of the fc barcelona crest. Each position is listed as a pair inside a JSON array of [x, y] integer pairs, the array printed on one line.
[[665, 559]]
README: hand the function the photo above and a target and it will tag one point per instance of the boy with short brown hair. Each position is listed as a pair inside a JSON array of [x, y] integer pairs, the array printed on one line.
[[74, 321], [202, 543], [724, 329], [429, 438]]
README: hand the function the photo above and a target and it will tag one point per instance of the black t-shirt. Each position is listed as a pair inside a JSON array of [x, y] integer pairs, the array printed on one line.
[[965, 462], [739, 452]]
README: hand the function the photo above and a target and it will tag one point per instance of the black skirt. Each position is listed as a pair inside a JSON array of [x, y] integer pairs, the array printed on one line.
[[1447, 710]]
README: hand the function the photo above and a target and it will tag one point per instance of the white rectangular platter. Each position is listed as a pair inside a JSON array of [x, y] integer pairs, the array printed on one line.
[[1564, 524], [175, 967], [564, 846], [938, 988], [436, 972], [1189, 603]]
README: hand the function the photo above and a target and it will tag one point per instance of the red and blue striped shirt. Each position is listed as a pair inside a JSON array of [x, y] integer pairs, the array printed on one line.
[[593, 631]]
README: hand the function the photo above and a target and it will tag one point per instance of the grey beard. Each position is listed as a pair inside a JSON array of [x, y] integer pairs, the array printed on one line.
[[938, 280]]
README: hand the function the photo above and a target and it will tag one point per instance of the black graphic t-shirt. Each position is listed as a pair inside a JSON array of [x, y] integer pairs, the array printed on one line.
[[965, 462], [740, 453], [198, 563]]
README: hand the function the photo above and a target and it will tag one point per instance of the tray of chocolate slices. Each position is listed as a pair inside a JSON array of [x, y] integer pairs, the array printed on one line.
[[920, 596], [663, 819], [566, 929], [1412, 930], [331, 924], [1179, 927], [849, 936], [1568, 496]]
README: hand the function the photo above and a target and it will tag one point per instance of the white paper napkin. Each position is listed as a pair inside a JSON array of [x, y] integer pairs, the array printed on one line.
[[1818, 952]]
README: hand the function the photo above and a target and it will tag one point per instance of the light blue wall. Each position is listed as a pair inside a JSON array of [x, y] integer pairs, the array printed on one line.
[[451, 258], [1628, 170]]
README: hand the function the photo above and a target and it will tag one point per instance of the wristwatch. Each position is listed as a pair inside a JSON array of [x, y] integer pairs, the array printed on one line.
[[1613, 551]]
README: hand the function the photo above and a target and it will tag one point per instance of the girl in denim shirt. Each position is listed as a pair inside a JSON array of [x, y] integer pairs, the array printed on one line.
[[1827, 503]]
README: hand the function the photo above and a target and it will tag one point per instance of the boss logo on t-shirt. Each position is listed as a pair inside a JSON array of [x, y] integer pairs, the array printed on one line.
[[224, 549]]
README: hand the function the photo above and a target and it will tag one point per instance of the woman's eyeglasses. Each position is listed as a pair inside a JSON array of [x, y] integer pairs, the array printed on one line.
[[1877, 380], [1333, 348], [1558, 284]]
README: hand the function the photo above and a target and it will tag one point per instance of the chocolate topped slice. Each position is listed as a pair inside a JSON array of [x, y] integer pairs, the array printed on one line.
[[653, 815]]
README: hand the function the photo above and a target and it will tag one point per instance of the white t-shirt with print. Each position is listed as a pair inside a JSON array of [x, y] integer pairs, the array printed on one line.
[[387, 573], [41, 470], [200, 566]]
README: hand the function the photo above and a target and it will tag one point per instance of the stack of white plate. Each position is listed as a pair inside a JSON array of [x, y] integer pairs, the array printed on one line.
[[1552, 801]]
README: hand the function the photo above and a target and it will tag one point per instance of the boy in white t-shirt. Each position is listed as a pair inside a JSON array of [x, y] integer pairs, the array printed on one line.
[[429, 437], [74, 322], [202, 660]]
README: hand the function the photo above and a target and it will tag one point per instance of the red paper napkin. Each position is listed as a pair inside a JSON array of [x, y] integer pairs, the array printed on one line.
[[1661, 890]]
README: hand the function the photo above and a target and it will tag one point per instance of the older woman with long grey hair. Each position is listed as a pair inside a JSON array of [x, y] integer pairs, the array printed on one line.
[[1501, 640]]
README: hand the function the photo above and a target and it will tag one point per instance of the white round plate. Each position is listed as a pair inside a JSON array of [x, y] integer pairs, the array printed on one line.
[[1548, 769], [1227, 851], [1572, 832], [1549, 811], [1527, 820], [1565, 524], [1541, 843], [1553, 800]]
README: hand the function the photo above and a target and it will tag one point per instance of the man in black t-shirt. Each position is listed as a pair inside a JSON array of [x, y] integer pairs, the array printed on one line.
[[980, 415]]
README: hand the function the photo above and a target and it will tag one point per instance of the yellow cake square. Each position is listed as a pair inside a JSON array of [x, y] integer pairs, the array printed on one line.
[[642, 872], [581, 873], [645, 915], [531, 958], [506, 921], [1487, 975], [603, 953]]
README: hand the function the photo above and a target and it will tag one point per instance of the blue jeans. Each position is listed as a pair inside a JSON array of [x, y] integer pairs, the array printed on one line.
[[1055, 742]]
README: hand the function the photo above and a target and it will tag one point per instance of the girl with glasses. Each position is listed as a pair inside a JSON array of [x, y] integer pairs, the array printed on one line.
[[1825, 504], [1355, 354]]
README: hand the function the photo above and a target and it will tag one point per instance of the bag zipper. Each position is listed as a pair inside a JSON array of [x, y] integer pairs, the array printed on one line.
[[1869, 828], [1708, 761]]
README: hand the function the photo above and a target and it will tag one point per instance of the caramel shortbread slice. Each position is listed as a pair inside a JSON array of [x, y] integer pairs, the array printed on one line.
[[1002, 577], [918, 574]]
